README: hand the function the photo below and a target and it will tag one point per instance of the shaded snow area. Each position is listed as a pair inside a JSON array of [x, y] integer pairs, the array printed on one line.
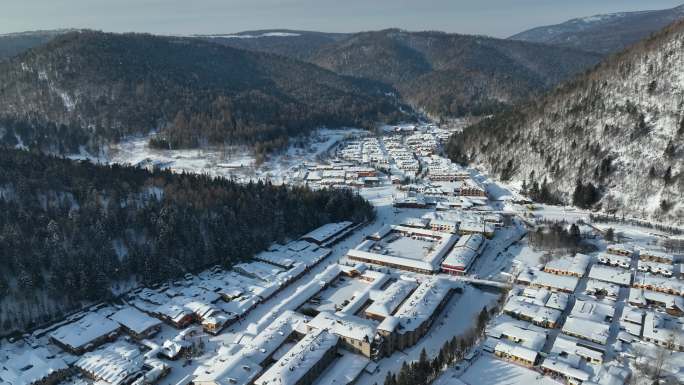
[[490, 370]]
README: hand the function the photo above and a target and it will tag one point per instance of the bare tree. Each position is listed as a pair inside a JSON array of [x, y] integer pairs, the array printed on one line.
[[662, 357]]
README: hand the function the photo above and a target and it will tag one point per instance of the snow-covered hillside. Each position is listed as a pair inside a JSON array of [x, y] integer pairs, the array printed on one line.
[[619, 127], [604, 33]]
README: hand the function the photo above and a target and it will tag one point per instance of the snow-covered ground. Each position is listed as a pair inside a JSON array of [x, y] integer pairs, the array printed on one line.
[[227, 161]]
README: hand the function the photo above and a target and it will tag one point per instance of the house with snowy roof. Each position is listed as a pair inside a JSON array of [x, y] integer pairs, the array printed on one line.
[[555, 367], [85, 334], [617, 276], [632, 320], [527, 310], [621, 249], [673, 304], [574, 349], [541, 279], [664, 330], [649, 255], [614, 260], [516, 353], [569, 265], [136, 323], [328, 233], [304, 362], [121, 363], [651, 282]]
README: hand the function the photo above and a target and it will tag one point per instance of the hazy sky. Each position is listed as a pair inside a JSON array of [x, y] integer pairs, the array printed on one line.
[[489, 17]]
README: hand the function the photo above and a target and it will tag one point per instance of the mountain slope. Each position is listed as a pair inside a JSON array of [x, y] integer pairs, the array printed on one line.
[[450, 74], [290, 43], [603, 33], [618, 128], [71, 230], [101, 86]]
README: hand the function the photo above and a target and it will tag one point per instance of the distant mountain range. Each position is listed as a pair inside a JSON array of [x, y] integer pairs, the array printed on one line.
[[260, 87], [611, 138], [441, 74], [450, 74], [605, 34], [62, 90], [297, 44]]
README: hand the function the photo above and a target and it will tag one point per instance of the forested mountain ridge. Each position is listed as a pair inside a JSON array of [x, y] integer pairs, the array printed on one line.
[[612, 138], [70, 230], [89, 88], [605, 34], [441, 73], [451, 74]]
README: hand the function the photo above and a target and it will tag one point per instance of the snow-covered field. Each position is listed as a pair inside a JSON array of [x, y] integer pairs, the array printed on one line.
[[228, 161]]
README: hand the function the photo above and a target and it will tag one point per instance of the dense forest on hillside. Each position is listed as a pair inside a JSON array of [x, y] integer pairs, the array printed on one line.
[[612, 138], [99, 87], [451, 74], [443, 74], [72, 229]]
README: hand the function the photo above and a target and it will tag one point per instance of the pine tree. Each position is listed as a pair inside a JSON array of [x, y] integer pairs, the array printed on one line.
[[423, 366], [667, 177], [575, 232], [390, 379], [482, 320]]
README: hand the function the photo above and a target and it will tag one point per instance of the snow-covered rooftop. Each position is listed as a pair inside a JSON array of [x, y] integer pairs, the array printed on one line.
[[29, 367], [576, 265], [343, 325], [422, 303], [80, 333], [327, 231], [299, 360], [386, 303], [543, 279], [587, 329], [609, 274], [135, 320], [115, 364]]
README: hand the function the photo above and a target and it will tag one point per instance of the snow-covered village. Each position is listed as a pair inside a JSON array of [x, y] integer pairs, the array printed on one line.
[[456, 271], [316, 192]]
